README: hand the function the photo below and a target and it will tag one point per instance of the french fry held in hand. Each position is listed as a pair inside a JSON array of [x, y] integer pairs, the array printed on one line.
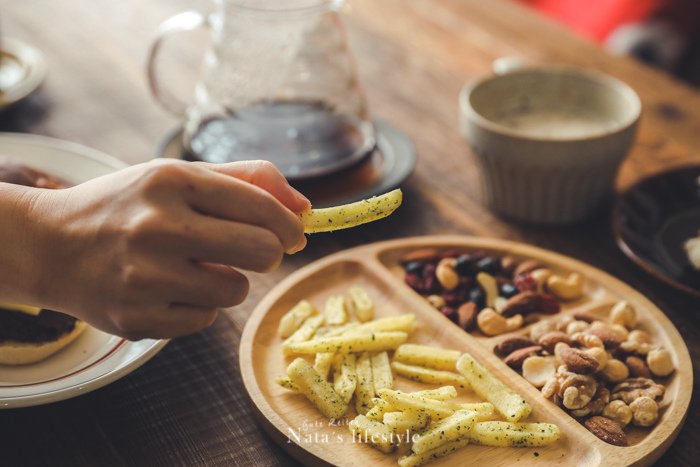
[[375, 342], [427, 356], [316, 389], [509, 404], [381, 372], [336, 310], [361, 303], [303, 334], [452, 428], [507, 434], [430, 376], [294, 318], [351, 215]]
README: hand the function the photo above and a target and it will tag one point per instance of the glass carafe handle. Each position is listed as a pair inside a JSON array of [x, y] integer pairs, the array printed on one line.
[[185, 21]]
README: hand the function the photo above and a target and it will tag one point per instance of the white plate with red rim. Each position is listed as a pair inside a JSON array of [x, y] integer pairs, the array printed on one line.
[[95, 358]]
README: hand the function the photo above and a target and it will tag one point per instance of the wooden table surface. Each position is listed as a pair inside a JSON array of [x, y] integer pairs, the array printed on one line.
[[187, 406]]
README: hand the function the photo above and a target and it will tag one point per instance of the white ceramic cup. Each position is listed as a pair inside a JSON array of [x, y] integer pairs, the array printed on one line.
[[549, 139]]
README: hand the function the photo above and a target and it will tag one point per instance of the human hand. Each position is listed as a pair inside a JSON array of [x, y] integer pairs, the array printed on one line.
[[155, 249]]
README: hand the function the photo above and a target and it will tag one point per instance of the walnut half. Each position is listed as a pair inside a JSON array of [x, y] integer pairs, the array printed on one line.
[[634, 388]]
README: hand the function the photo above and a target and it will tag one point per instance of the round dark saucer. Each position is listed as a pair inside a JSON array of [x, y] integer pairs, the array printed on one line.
[[653, 219], [391, 162]]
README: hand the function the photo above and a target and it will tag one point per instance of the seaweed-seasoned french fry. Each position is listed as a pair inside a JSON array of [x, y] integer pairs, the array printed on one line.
[[514, 434], [292, 319], [410, 420], [330, 331], [408, 401], [351, 215], [361, 303], [286, 383], [452, 428], [441, 394], [322, 363], [483, 410], [414, 460], [303, 334], [378, 410], [344, 377], [336, 310], [375, 342], [509, 404], [316, 389], [428, 356], [364, 391], [404, 323], [430, 376], [376, 433], [381, 372]]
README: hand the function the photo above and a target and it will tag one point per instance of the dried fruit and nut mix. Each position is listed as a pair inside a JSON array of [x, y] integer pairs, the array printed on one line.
[[494, 294], [600, 371]]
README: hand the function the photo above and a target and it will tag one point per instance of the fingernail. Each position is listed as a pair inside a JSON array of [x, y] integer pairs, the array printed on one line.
[[300, 246], [299, 196]]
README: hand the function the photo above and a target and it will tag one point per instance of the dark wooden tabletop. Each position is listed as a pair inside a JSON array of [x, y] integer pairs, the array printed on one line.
[[187, 406]]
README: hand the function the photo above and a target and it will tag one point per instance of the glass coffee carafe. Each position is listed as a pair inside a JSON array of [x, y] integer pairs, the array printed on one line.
[[279, 83]]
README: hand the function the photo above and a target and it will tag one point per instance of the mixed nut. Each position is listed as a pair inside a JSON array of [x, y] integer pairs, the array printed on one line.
[[599, 371], [494, 294]]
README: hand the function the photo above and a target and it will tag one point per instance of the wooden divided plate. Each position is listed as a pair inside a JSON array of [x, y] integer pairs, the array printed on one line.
[[296, 425]]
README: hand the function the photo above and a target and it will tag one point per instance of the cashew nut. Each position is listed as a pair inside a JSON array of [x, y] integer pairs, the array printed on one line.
[[446, 274], [639, 336], [615, 371], [541, 276], [619, 412], [569, 288], [576, 326], [623, 313], [537, 370], [492, 323], [645, 411], [490, 287], [436, 301], [660, 362]]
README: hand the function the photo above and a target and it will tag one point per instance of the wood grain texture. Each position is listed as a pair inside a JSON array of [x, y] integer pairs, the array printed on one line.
[[187, 405], [298, 427]]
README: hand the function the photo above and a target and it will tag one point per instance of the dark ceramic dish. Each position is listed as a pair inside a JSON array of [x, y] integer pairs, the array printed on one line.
[[653, 219]]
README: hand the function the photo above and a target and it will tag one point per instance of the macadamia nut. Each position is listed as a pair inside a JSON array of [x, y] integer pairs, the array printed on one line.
[[660, 362], [645, 411], [619, 412], [537, 370], [615, 371], [623, 313]]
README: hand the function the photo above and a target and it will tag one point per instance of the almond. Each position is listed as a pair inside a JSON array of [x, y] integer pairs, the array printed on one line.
[[511, 344], [549, 340], [578, 362], [638, 367], [466, 315], [583, 316], [515, 359], [609, 431], [530, 302], [609, 338]]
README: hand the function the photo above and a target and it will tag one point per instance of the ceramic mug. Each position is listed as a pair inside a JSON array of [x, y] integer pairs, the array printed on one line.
[[548, 139]]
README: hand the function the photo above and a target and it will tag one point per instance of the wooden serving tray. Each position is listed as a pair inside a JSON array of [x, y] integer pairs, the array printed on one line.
[[305, 434]]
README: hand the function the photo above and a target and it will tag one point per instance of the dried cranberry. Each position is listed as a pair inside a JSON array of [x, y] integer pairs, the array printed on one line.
[[450, 254], [450, 312], [414, 267], [414, 281], [465, 283], [509, 290], [456, 297], [477, 296], [526, 283], [489, 265]]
